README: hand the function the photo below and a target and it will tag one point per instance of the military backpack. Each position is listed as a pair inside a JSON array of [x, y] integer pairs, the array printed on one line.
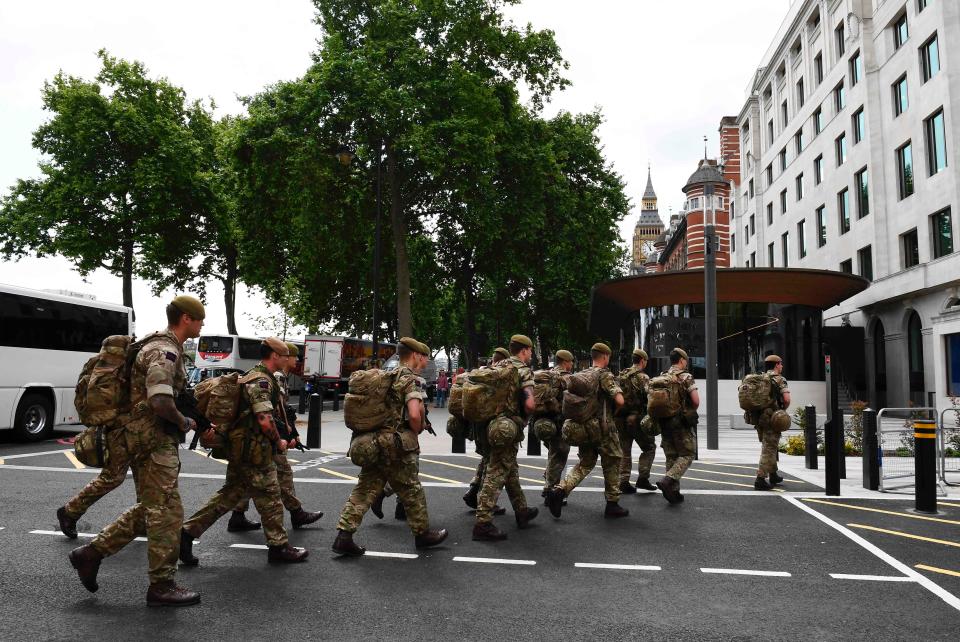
[[634, 386], [665, 396], [581, 399], [756, 393], [455, 404], [547, 393], [577, 433], [370, 403], [490, 392], [102, 394], [90, 447]]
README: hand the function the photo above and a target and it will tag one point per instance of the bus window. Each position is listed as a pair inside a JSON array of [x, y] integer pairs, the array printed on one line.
[[250, 348]]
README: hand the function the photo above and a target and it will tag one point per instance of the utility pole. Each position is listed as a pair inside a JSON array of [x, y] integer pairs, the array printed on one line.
[[710, 306]]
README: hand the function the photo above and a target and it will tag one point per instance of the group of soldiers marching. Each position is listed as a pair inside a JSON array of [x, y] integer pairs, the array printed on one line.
[[258, 469]]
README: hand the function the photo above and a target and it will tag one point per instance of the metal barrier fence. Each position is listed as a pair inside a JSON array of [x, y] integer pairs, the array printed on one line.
[[948, 443], [895, 442]]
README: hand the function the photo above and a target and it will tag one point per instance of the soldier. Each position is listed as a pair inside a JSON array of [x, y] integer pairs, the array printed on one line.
[[678, 437], [398, 464], [608, 448], [483, 448], [298, 517], [252, 471], [157, 375], [557, 449], [628, 425], [501, 468], [769, 437]]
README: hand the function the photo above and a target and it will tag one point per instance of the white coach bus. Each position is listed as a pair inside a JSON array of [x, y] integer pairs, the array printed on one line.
[[45, 339], [219, 354]]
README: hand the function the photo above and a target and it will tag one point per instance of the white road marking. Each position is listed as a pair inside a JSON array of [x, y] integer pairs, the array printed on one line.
[[494, 560], [256, 546], [45, 452], [401, 556], [624, 567], [85, 535], [923, 580], [743, 571], [872, 578]]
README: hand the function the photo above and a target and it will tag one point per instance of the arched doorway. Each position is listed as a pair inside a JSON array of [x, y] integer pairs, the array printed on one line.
[[915, 359], [880, 364]]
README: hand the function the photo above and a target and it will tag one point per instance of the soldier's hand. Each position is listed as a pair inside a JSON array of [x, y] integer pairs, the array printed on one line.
[[282, 445], [188, 425], [292, 443]]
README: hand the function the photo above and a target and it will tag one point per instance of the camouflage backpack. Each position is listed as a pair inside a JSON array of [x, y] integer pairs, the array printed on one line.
[[369, 404], [756, 393], [218, 399], [547, 393], [489, 392], [634, 386], [581, 399], [664, 396], [455, 404], [90, 447], [102, 394]]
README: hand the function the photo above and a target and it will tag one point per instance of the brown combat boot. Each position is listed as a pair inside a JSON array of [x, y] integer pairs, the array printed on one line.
[[644, 483], [286, 554], [187, 558], [614, 510], [68, 524], [301, 518], [487, 532], [555, 501], [239, 523], [761, 484], [430, 538], [377, 506], [670, 489], [525, 516], [344, 545], [86, 559], [169, 594], [470, 498], [627, 488]]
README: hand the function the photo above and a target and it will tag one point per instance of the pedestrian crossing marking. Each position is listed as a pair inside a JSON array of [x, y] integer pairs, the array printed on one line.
[[337, 474], [719, 472], [621, 567], [73, 460], [401, 556], [39, 454], [934, 569], [529, 466], [906, 535], [872, 578], [885, 512], [494, 560], [444, 463], [741, 571], [250, 546], [443, 479]]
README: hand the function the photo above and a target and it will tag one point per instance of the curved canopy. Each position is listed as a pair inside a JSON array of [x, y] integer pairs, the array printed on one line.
[[613, 302]]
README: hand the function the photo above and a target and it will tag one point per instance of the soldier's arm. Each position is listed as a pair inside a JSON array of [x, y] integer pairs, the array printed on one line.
[[415, 415], [694, 398], [160, 367], [785, 394], [609, 384]]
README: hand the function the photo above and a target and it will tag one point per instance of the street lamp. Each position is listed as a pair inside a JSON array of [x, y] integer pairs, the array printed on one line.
[[710, 305]]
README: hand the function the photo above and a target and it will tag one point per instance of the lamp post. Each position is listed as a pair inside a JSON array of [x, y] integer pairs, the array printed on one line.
[[710, 305]]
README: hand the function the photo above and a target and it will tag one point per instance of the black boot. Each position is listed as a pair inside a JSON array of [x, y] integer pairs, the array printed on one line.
[[86, 559], [300, 518], [286, 554], [470, 498], [525, 516], [761, 484], [169, 594], [487, 532], [187, 557], [627, 488], [68, 525], [377, 506], [239, 523], [670, 489], [644, 483], [430, 538], [775, 479], [555, 501], [614, 510], [344, 545], [400, 512]]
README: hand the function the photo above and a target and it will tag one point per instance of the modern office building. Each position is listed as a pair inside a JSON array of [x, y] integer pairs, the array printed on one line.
[[848, 163]]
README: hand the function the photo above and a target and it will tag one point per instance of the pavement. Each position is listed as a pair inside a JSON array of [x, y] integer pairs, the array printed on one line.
[[728, 563]]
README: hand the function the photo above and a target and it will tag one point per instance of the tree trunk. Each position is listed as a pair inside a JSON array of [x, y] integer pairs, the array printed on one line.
[[127, 274], [399, 227], [470, 323], [230, 290]]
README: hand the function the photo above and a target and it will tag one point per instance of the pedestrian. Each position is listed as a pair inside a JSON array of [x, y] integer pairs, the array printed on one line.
[[678, 431], [558, 451], [478, 433], [767, 430], [633, 381], [443, 387]]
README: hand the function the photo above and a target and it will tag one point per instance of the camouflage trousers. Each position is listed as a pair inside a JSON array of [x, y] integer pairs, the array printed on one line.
[[770, 440], [481, 471], [158, 513], [111, 476], [398, 471], [558, 451], [679, 446], [648, 450], [610, 454], [501, 472], [245, 480], [285, 479]]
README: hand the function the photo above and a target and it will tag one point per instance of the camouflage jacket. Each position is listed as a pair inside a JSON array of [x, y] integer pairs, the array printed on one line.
[[686, 380], [625, 375], [281, 379], [158, 369], [781, 383], [526, 383]]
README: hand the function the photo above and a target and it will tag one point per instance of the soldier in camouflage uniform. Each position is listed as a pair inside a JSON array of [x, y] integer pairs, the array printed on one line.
[[479, 436], [678, 434], [298, 517], [251, 471], [628, 425], [502, 470], [769, 437], [557, 449], [157, 375], [607, 449], [398, 464]]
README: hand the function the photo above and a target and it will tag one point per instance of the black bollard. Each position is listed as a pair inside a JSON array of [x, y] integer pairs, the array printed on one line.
[[810, 437], [302, 402], [843, 446], [336, 398], [871, 451], [925, 465], [313, 421], [833, 443]]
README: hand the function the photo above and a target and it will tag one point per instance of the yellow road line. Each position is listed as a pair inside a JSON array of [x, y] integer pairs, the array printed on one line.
[[443, 479], [337, 474], [885, 512], [718, 472], [934, 569], [907, 535], [73, 459], [293, 461], [445, 463], [707, 463], [711, 481], [529, 466], [532, 481], [1, 462], [939, 501], [205, 456]]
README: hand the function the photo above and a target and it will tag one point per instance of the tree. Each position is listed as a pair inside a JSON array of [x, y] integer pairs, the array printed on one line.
[[123, 177]]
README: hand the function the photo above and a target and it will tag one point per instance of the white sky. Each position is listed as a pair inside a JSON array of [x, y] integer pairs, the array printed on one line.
[[664, 73]]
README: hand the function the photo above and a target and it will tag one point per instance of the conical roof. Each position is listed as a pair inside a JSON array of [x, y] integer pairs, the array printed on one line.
[[707, 172], [648, 193]]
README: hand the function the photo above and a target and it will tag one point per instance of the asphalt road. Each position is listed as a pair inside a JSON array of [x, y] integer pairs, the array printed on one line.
[[729, 563]]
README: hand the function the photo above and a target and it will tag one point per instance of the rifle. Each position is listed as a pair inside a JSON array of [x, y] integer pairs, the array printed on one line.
[[426, 421], [288, 431], [187, 406]]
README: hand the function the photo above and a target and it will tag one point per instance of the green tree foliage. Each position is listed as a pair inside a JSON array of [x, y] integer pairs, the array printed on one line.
[[124, 177]]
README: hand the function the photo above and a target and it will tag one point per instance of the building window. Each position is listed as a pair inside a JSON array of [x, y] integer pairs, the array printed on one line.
[[921, 5], [798, 141], [900, 31], [785, 248], [905, 170], [821, 226], [746, 232], [910, 249], [769, 213], [840, 37], [941, 231], [847, 266], [859, 122], [770, 133], [770, 255], [799, 184], [841, 147], [753, 227], [801, 98], [818, 170], [750, 187], [783, 159], [900, 100], [856, 69], [936, 143], [818, 68], [862, 181], [783, 202], [843, 209], [769, 172], [839, 97], [801, 238], [784, 115], [733, 243], [953, 364], [818, 120], [930, 58], [865, 259]]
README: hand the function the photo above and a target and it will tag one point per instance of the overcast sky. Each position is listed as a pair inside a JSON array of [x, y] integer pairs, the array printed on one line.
[[663, 73]]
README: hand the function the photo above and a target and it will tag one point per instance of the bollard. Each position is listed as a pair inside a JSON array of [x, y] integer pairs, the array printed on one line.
[[870, 455], [843, 445], [313, 421], [925, 465], [336, 397], [459, 445], [302, 402], [533, 444], [810, 437], [833, 444]]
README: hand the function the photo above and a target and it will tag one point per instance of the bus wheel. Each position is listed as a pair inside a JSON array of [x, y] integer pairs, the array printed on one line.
[[34, 419]]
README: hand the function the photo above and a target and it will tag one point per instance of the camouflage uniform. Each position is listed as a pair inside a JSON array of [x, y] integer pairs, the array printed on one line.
[[399, 466], [111, 476], [768, 437], [157, 370], [256, 478], [502, 470], [558, 451], [608, 448], [678, 440], [628, 427]]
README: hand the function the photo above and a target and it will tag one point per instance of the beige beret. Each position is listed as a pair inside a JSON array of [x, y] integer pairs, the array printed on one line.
[[277, 346], [601, 347], [189, 305], [681, 352], [522, 339], [503, 352], [415, 345], [292, 349], [641, 353], [772, 358], [564, 355]]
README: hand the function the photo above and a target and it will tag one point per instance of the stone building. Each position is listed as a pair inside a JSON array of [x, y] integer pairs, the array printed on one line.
[[648, 229]]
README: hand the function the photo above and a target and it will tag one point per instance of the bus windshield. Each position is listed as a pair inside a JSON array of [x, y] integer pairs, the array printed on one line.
[[214, 345]]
